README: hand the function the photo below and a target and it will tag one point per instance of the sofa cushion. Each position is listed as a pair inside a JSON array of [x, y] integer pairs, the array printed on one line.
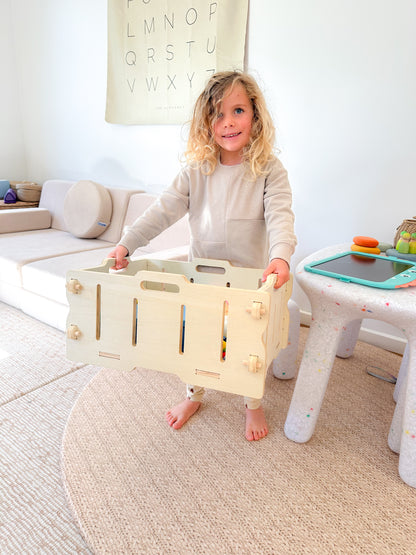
[[44, 295], [24, 219], [17, 249], [176, 235], [47, 277], [52, 198], [87, 209], [120, 199]]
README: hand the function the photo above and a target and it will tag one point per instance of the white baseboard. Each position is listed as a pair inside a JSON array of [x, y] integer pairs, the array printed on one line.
[[379, 339]]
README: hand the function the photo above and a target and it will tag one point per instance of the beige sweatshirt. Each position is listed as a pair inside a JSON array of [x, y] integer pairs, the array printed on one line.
[[231, 216]]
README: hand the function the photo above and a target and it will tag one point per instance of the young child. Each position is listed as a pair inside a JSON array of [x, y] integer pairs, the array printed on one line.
[[238, 199]]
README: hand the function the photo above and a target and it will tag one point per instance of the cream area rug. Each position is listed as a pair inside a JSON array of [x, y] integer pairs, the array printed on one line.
[[38, 387], [136, 486]]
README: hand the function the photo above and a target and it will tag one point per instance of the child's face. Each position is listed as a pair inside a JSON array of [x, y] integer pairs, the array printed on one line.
[[232, 127]]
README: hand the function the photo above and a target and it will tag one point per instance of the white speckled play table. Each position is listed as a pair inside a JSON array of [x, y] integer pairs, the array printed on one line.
[[337, 311]]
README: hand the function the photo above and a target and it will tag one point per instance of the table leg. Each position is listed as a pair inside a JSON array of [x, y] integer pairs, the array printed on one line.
[[402, 373], [314, 372], [284, 365], [402, 435], [396, 427], [348, 339]]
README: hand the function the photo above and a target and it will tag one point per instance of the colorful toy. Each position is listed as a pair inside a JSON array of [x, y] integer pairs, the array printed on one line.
[[402, 245], [365, 244], [212, 324], [412, 244], [384, 247], [369, 250], [10, 197], [364, 241]]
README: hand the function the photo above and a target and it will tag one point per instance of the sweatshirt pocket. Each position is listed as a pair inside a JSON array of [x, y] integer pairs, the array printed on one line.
[[247, 243]]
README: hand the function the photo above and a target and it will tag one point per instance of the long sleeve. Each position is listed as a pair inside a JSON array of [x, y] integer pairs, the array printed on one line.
[[278, 214], [172, 204]]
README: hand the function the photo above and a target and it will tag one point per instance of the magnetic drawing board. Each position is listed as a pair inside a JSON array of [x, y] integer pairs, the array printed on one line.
[[385, 272]]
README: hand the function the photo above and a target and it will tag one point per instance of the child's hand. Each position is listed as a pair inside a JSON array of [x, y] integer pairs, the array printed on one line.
[[281, 268], [119, 253]]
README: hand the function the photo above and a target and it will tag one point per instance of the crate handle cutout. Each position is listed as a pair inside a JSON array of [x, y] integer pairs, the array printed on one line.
[[159, 286], [210, 269]]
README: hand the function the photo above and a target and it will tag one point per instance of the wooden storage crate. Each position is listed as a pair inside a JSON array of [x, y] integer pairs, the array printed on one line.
[[178, 317]]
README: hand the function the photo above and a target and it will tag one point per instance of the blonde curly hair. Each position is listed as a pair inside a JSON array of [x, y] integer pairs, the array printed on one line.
[[202, 150]]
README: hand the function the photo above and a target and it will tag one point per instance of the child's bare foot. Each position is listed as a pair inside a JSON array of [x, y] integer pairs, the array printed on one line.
[[256, 425], [180, 414]]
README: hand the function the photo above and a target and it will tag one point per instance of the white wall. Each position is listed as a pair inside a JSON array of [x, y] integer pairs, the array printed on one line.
[[339, 78], [341, 82], [12, 151], [62, 63]]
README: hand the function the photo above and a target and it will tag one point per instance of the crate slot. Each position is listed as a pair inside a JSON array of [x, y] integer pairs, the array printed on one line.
[[207, 374], [109, 355], [135, 321], [182, 326], [98, 313], [225, 310]]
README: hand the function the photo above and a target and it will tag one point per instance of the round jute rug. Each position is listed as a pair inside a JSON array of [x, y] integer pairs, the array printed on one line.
[[137, 486]]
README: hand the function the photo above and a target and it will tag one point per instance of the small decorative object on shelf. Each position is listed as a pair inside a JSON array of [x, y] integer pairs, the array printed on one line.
[[10, 197], [27, 191]]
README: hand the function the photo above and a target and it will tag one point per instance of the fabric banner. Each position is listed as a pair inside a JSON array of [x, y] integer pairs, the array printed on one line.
[[161, 53]]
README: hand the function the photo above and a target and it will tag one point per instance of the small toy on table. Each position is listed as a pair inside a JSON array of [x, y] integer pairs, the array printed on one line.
[[412, 244], [362, 243], [403, 243]]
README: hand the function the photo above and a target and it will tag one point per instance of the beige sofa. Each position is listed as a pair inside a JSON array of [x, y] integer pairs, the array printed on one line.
[[37, 247]]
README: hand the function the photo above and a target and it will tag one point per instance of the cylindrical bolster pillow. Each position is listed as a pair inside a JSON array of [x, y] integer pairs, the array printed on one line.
[[87, 209]]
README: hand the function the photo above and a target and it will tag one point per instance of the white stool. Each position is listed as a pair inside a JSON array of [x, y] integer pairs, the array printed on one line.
[[337, 311]]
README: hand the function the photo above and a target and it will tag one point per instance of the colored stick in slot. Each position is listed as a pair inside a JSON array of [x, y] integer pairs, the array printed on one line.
[[98, 313], [224, 331], [135, 322], [182, 325]]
